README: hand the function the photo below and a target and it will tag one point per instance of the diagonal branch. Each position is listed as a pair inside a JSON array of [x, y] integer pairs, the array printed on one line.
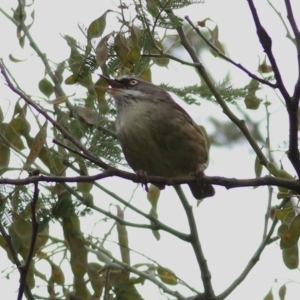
[[195, 242]]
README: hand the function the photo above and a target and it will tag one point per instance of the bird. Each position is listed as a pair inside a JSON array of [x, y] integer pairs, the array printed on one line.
[[157, 136]]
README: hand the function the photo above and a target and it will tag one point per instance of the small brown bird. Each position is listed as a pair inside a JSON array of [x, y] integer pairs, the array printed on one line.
[[157, 136]]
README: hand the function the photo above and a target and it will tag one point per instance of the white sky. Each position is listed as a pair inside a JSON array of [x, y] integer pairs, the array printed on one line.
[[230, 224]]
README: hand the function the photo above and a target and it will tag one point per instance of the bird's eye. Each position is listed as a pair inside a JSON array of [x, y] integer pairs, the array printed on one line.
[[133, 82]]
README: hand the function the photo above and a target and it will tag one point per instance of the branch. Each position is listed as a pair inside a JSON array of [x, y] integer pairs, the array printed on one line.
[[228, 183], [288, 34], [291, 103], [221, 54], [195, 242]]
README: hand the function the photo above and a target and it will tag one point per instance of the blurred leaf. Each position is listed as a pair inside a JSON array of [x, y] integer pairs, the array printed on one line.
[[153, 196], [167, 276], [13, 59], [121, 48], [102, 51], [46, 87], [100, 88], [37, 145], [291, 236], [71, 79], [60, 99], [135, 34], [257, 167], [134, 55], [4, 158], [282, 213], [23, 229], [123, 238], [11, 135], [290, 257], [214, 39], [252, 102], [146, 75], [59, 71], [20, 125], [264, 67], [269, 296], [88, 115], [156, 234], [203, 22], [97, 27], [253, 86], [57, 274], [160, 61], [282, 292]]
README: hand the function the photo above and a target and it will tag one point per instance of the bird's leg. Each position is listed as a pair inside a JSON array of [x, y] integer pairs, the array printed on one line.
[[142, 177], [199, 173]]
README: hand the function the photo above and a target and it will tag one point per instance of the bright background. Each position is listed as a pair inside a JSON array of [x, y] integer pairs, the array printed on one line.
[[231, 223]]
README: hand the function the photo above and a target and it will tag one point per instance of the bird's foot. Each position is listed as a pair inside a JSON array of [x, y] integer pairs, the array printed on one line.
[[142, 177]]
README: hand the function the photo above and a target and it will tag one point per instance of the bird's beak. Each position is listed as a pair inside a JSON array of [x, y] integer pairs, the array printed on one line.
[[113, 83]]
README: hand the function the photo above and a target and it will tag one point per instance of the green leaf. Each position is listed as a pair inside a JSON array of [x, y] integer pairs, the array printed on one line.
[[167, 276], [102, 51], [4, 158], [290, 257], [37, 145], [12, 136], [46, 87], [97, 27]]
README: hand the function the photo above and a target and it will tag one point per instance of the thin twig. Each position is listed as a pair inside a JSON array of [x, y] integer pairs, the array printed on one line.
[[288, 34], [270, 189], [291, 18], [221, 54]]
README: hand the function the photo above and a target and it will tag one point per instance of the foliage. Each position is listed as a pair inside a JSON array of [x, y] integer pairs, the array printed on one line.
[[61, 161]]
